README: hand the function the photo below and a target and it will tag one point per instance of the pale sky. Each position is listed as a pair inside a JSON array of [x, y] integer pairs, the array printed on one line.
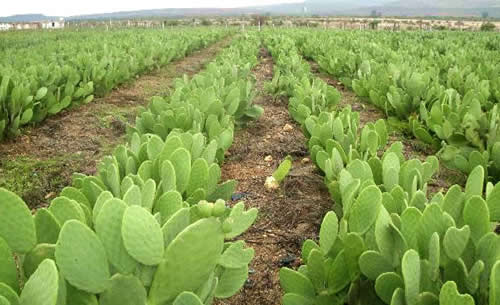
[[83, 7]]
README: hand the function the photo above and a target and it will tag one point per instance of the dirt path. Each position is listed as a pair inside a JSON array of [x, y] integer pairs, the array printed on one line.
[[39, 163], [412, 148], [286, 217]]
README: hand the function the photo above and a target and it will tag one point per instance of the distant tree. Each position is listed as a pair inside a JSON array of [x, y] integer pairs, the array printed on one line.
[[485, 15], [488, 27], [374, 13], [374, 24], [259, 18], [172, 23], [206, 22]]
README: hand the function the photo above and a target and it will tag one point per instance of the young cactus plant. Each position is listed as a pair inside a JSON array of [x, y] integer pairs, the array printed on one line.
[[273, 182]]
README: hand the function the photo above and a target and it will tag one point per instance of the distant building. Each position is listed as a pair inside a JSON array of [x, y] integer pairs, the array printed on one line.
[[5, 26], [27, 26], [53, 24]]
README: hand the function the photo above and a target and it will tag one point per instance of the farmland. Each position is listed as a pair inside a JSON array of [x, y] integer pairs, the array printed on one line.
[[220, 166]]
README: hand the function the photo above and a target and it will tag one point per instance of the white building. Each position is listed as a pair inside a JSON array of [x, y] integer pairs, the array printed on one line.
[[5, 26], [53, 24]]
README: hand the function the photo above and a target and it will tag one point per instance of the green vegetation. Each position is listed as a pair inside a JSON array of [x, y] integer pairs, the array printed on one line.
[[154, 227], [69, 68], [387, 242], [142, 231], [446, 85], [32, 178], [488, 27]]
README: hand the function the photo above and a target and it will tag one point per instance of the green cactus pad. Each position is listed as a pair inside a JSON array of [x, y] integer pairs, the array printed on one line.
[[189, 261], [133, 196], [175, 224], [373, 264], [495, 284], [17, 227], [386, 284], [294, 282], [148, 194], [214, 174], [296, 299], [455, 240], [242, 219], [79, 297], [231, 281], [168, 176], [65, 209], [108, 227], [476, 215], [7, 292], [283, 170], [8, 268], [365, 209], [124, 290], [449, 295], [353, 248], [181, 160], [236, 256], [199, 176], [410, 267], [410, 220], [223, 191], [328, 232], [36, 256], [475, 183], [42, 287], [4, 301], [316, 269], [75, 194], [142, 236], [101, 200], [493, 202], [81, 257], [307, 247], [187, 298], [168, 204], [338, 274]]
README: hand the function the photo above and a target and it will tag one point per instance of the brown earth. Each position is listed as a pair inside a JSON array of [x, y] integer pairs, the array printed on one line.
[[412, 148], [40, 162], [287, 217]]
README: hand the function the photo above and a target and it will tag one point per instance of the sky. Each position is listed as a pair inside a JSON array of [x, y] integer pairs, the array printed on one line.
[[72, 7]]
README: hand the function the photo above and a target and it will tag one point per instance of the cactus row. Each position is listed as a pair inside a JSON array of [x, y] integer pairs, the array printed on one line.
[[448, 97], [152, 226], [386, 242], [80, 67]]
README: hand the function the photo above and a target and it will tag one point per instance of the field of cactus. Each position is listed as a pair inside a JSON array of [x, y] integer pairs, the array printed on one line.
[[297, 167]]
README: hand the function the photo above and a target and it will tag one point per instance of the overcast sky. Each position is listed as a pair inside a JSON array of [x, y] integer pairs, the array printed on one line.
[[72, 7]]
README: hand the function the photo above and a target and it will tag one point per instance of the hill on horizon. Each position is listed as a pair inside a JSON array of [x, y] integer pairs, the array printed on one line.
[[404, 8]]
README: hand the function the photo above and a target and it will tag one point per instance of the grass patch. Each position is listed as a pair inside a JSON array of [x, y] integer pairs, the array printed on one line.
[[36, 181]]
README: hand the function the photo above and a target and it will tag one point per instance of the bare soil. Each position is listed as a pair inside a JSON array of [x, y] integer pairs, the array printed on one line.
[[287, 217], [76, 139], [412, 148]]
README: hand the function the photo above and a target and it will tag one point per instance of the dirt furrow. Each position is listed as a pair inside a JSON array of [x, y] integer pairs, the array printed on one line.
[[288, 216], [39, 163]]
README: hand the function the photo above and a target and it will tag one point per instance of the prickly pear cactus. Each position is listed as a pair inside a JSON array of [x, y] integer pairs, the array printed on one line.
[[189, 260], [42, 288], [124, 289], [17, 227], [142, 236], [82, 258]]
